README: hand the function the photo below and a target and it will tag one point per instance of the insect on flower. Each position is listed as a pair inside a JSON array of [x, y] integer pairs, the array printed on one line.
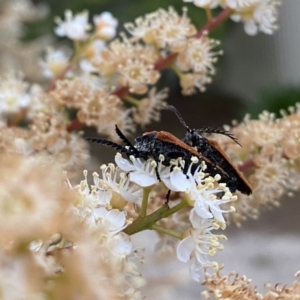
[[154, 144]]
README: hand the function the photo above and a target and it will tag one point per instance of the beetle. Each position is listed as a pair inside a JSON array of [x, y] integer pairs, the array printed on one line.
[[156, 143]]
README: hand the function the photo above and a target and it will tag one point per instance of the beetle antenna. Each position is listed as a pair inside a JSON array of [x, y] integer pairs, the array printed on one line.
[[175, 110], [219, 131], [107, 143], [125, 140]]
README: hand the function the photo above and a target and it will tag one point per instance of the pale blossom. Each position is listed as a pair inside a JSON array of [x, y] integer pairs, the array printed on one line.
[[204, 3], [190, 82], [119, 183], [93, 50], [200, 188], [14, 94], [105, 25], [164, 28], [111, 221], [149, 108], [256, 15], [54, 62], [199, 245], [70, 152], [198, 56], [141, 172], [73, 27], [136, 74]]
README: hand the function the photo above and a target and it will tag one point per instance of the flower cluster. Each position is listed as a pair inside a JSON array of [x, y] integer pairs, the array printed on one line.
[[233, 286], [15, 53], [201, 192], [269, 158], [65, 224], [46, 131], [256, 15], [106, 80], [171, 33]]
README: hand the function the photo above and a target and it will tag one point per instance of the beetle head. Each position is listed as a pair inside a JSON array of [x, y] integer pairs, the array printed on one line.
[[145, 142]]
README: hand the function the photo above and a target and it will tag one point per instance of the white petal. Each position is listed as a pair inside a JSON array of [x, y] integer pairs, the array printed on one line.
[[100, 212], [251, 27], [236, 18], [180, 181], [143, 179], [195, 220], [202, 211], [122, 244], [104, 197], [130, 197], [108, 32], [185, 249], [116, 218], [196, 270], [124, 164], [216, 211]]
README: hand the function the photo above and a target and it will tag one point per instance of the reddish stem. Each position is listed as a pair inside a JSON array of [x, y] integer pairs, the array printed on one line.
[[246, 166], [74, 125], [214, 22]]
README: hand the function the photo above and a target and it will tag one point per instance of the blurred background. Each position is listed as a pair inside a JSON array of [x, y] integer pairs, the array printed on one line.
[[254, 74]]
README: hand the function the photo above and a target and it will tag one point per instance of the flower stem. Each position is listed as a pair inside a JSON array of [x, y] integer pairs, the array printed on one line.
[[147, 222], [131, 100], [215, 22], [143, 211], [208, 14], [75, 125]]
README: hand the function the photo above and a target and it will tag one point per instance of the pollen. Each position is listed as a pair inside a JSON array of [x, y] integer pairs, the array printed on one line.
[[215, 265], [194, 159], [161, 157], [153, 163], [232, 209], [203, 165], [217, 177]]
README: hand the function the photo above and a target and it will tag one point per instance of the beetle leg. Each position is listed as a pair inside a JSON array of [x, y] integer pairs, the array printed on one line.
[[157, 173], [167, 197]]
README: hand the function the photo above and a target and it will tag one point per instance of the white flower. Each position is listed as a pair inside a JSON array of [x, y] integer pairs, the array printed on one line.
[[143, 172], [13, 94], [117, 182], [257, 15], [149, 108], [200, 189], [198, 56], [112, 221], [121, 117], [95, 49], [198, 186], [106, 25], [204, 3], [121, 244], [199, 245], [165, 28], [54, 63], [74, 27], [69, 152]]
